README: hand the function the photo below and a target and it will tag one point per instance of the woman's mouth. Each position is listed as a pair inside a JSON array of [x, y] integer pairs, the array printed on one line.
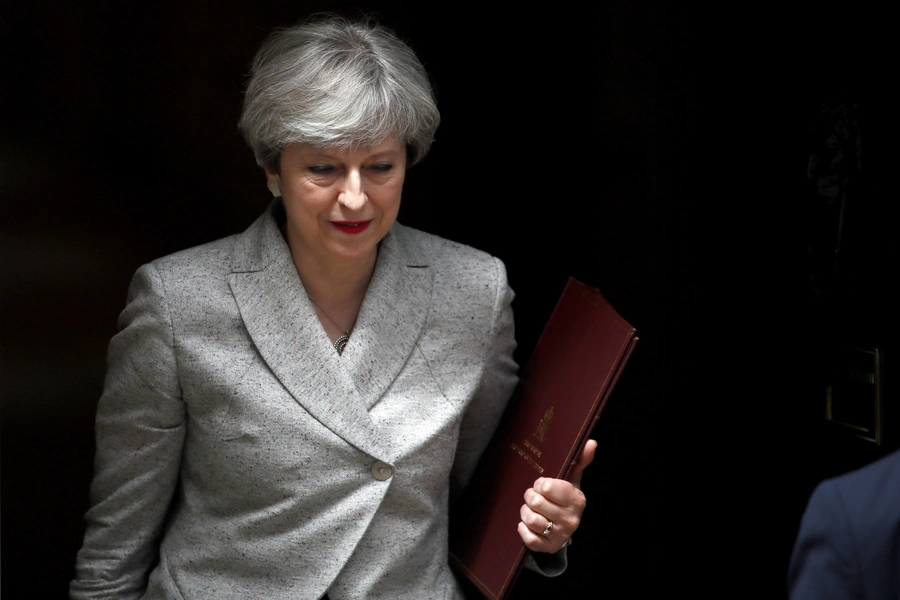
[[351, 227]]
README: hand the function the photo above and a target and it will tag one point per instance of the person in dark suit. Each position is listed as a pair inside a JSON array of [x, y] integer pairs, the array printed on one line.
[[288, 412], [849, 540]]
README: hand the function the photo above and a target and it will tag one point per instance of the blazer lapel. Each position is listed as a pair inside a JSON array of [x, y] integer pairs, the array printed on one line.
[[290, 339], [337, 390], [391, 318]]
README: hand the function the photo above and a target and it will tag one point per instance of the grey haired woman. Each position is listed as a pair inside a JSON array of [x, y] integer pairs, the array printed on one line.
[[288, 412]]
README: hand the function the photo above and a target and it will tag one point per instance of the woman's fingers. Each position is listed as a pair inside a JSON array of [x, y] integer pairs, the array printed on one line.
[[553, 507], [551, 514]]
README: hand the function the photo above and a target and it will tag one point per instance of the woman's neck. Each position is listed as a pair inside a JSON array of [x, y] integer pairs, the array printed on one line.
[[337, 288]]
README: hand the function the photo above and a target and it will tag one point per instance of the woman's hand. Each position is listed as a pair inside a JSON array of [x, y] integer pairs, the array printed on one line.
[[554, 501]]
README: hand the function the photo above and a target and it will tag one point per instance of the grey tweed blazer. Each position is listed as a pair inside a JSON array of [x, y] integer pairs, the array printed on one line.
[[239, 457]]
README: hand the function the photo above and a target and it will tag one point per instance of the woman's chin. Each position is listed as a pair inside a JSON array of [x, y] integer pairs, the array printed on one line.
[[354, 250]]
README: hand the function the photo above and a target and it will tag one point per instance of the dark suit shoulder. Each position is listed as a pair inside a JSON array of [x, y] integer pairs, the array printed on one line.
[[869, 496], [849, 540], [882, 472]]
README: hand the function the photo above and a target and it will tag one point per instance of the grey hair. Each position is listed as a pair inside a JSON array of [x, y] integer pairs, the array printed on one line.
[[335, 82]]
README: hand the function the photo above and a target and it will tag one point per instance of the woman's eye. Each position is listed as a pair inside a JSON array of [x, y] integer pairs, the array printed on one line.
[[321, 169], [382, 167]]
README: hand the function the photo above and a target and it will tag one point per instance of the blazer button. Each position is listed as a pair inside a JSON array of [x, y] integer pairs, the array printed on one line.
[[382, 470]]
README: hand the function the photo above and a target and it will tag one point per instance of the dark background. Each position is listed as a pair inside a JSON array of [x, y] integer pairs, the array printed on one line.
[[654, 151]]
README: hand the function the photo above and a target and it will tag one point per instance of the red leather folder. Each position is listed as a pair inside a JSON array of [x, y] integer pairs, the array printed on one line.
[[562, 390]]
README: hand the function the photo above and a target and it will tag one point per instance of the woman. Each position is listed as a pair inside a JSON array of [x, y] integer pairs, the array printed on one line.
[[288, 411]]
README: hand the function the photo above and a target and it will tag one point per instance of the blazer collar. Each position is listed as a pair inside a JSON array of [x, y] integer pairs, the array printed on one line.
[[338, 390]]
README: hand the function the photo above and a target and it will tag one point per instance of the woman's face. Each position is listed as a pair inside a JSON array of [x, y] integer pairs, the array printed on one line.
[[340, 203]]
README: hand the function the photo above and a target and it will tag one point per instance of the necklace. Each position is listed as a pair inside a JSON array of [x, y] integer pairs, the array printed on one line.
[[341, 341]]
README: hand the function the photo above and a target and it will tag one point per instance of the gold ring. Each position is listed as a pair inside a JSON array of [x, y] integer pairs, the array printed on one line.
[[547, 529]]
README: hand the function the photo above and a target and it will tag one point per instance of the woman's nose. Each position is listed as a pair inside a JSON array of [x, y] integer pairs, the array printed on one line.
[[352, 195]]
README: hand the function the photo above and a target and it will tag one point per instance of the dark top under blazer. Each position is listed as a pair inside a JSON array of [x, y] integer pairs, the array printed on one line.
[[849, 541], [226, 408]]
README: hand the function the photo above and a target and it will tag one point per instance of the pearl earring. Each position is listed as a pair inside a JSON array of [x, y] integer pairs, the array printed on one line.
[[273, 187]]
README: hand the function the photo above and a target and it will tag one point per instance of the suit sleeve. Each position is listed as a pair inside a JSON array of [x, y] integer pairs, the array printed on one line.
[[824, 563], [140, 430]]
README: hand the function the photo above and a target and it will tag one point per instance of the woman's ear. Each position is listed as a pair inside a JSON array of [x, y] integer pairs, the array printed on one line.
[[272, 182]]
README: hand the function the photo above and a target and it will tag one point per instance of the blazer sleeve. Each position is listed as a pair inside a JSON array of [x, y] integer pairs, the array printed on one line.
[[497, 383], [495, 386], [824, 563], [140, 431]]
